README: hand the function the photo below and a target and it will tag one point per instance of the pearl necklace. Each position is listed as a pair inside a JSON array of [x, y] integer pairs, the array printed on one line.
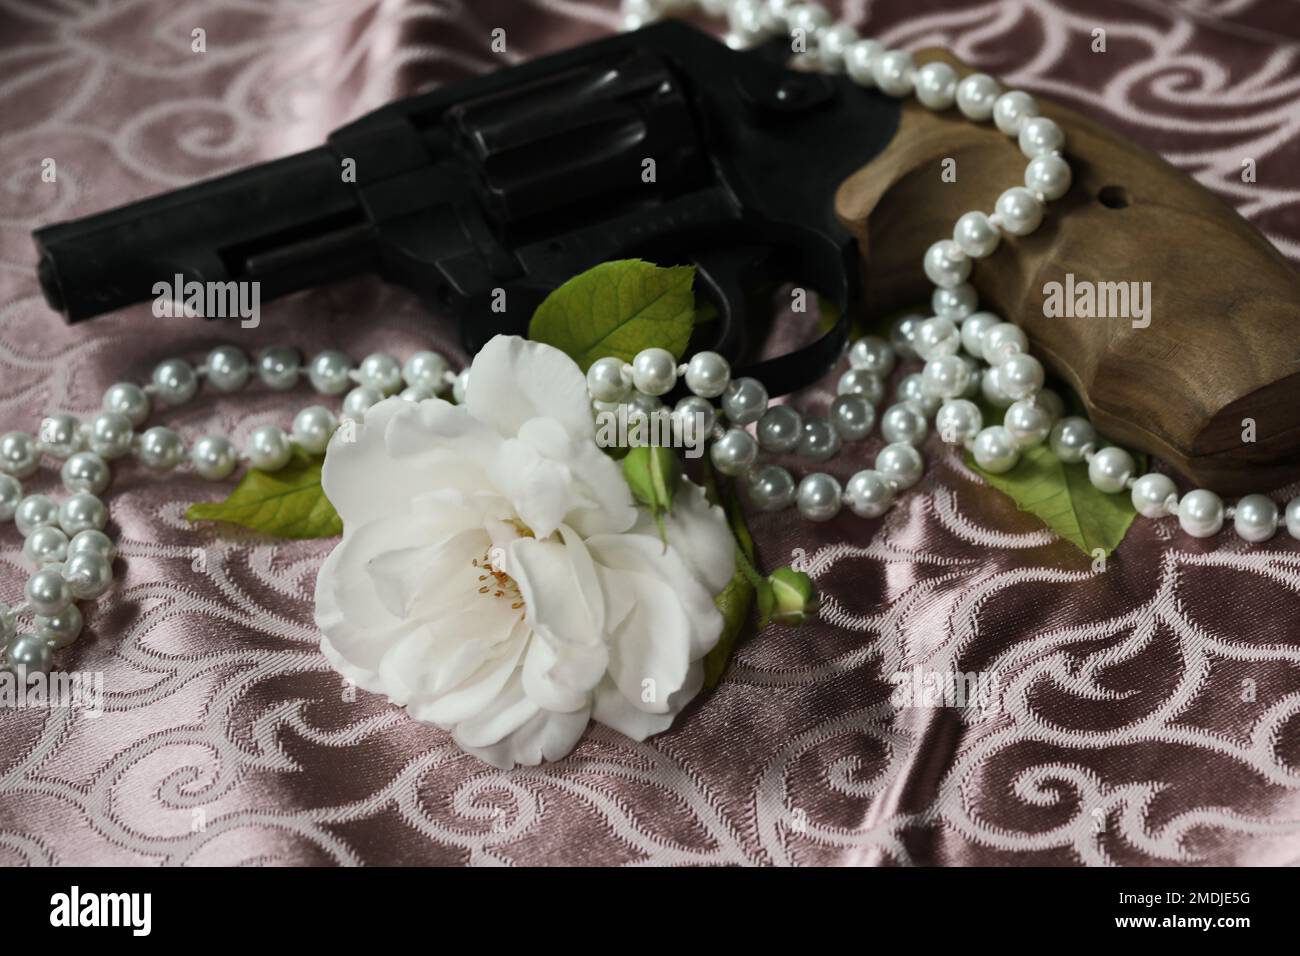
[[73, 556], [66, 542], [996, 362]]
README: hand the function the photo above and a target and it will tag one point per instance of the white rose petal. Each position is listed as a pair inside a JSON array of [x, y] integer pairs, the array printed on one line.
[[495, 576]]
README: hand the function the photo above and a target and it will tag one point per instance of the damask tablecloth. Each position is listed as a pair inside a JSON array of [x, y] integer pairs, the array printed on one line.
[[1144, 714]]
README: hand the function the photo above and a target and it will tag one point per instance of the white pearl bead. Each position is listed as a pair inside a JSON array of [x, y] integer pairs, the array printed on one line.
[[426, 370], [1039, 136], [161, 448], [1200, 513], [11, 493], [654, 371], [227, 368], [734, 453], [955, 303], [60, 436], [958, 421], [313, 428], [976, 95], [946, 376], [808, 18], [1002, 342], [47, 592], [1254, 518], [744, 401], [329, 372], [901, 464], [381, 372], [868, 494], [357, 401], [278, 367], [852, 416], [85, 471], [268, 448], [29, 654], [780, 429], [605, 380], [1028, 424], [46, 545], [693, 418], [92, 542], [819, 497], [872, 354], [857, 381], [1070, 437], [974, 329], [771, 488], [902, 333], [110, 435], [59, 630], [912, 391], [88, 575], [127, 399], [936, 337], [995, 450], [82, 512], [860, 61], [1049, 175], [1020, 375], [35, 511], [19, 455], [945, 264], [893, 72], [1293, 517], [1019, 211], [1010, 110], [975, 235], [936, 85], [174, 381], [1151, 495], [819, 441], [707, 374], [213, 457], [991, 391], [1110, 469], [832, 44]]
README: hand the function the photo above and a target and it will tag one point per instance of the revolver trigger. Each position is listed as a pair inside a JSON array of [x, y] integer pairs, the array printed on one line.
[[725, 275]]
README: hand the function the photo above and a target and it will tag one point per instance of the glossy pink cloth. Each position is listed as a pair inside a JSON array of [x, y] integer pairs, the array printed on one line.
[[1148, 715]]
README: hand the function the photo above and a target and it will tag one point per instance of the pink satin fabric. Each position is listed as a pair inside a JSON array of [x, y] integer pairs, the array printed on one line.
[[1146, 715]]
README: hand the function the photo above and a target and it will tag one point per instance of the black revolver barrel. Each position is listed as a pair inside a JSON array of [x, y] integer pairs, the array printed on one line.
[[286, 224]]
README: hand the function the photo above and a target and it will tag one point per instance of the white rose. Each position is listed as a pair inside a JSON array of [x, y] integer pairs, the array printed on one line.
[[495, 576]]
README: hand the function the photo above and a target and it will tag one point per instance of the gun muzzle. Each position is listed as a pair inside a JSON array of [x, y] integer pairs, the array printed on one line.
[[286, 224]]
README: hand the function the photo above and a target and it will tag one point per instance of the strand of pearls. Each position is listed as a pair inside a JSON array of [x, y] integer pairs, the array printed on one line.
[[995, 362], [65, 541]]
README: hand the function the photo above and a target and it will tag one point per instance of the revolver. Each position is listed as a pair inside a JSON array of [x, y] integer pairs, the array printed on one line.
[[665, 144]]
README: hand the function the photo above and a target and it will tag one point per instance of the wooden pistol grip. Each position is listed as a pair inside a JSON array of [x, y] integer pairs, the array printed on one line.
[[1223, 340]]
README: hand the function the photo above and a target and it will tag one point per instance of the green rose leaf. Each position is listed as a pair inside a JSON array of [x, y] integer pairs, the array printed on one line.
[[1063, 498], [618, 308], [288, 503]]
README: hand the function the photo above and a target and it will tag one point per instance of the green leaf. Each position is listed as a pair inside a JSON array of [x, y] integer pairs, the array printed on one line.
[[618, 308], [288, 503], [737, 598], [1062, 497]]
